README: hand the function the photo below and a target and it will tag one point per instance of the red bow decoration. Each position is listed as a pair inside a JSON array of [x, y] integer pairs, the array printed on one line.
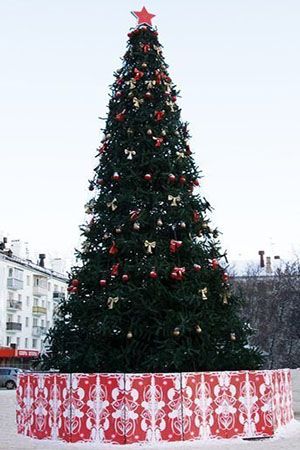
[[196, 216], [119, 81], [113, 249], [175, 245], [177, 273], [138, 74], [159, 115], [158, 142], [146, 48], [115, 270], [120, 117], [134, 215], [158, 76]]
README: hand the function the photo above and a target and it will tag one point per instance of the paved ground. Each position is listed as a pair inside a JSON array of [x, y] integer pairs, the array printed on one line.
[[288, 439]]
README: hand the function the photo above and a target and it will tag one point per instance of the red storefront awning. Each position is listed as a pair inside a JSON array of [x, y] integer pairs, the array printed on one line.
[[7, 352]]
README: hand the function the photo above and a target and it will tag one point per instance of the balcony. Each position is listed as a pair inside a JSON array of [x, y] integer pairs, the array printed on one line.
[[39, 310], [58, 296], [13, 326], [40, 291], [39, 331], [14, 305], [14, 283]]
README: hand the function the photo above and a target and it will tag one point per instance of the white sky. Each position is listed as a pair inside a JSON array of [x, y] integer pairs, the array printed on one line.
[[238, 67]]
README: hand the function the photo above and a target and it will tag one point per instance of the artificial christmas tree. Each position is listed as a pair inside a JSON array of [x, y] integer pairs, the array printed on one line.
[[150, 293]]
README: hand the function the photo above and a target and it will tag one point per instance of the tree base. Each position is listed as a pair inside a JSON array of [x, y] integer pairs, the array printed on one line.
[[151, 408]]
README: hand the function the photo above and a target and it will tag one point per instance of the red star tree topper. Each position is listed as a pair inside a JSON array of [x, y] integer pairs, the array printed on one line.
[[144, 17]]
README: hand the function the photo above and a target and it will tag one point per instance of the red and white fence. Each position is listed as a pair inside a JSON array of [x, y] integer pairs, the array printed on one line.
[[131, 408]]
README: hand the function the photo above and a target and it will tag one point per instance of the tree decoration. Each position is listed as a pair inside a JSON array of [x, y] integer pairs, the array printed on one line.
[[120, 117], [75, 282], [197, 267], [137, 102], [143, 16], [180, 155], [132, 84], [196, 216], [115, 270], [196, 182], [174, 200], [159, 115], [171, 178], [214, 264], [112, 301], [136, 226], [138, 74], [182, 180], [113, 205], [129, 335], [134, 214], [198, 329], [125, 278], [149, 132], [182, 225], [130, 153], [159, 223], [153, 274], [225, 298], [148, 177], [176, 332], [118, 230], [150, 84], [116, 176], [158, 141], [113, 249], [103, 283], [225, 277], [146, 48], [175, 245], [204, 293], [149, 246], [232, 336], [178, 273]]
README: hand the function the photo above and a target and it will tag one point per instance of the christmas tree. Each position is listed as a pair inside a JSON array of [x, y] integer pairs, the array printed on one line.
[[150, 293]]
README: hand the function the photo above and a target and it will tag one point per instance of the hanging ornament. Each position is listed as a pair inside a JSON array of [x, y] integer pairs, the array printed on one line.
[[148, 95], [149, 132], [159, 115], [180, 155], [197, 267], [196, 182], [121, 116], [114, 271], [129, 131], [144, 65], [148, 177], [232, 337], [103, 283], [182, 225], [112, 301], [118, 94], [75, 282], [158, 49], [171, 178], [174, 200], [146, 47], [116, 176], [113, 249], [125, 278], [129, 335], [225, 297], [74, 289], [188, 150], [203, 293], [178, 273], [158, 76], [176, 332], [112, 205], [225, 277], [171, 105], [131, 83], [106, 236], [150, 84], [137, 102], [198, 329], [163, 133], [134, 214], [159, 223], [214, 264], [158, 141], [196, 216], [153, 274], [182, 180], [175, 245], [136, 226], [149, 246], [100, 181], [138, 74], [130, 153], [118, 230]]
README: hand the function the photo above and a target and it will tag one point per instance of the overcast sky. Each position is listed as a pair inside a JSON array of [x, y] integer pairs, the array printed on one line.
[[238, 67]]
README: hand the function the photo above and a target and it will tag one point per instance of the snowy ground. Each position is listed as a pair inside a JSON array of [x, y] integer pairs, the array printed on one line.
[[286, 439]]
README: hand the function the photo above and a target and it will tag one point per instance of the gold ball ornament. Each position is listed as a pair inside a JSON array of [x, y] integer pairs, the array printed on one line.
[[144, 65], [118, 230], [176, 332], [198, 329], [136, 226], [182, 225], [232, 337], [159, 223], [149, 132], [129, 335], [164, 133]]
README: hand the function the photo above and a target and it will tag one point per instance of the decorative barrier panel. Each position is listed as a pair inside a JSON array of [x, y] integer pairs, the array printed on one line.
[[140, 408]]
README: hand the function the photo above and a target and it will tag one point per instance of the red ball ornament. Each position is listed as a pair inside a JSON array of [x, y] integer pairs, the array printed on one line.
[[75, 282], [225, 277], [116, 176], [118, 94], [69, 289], [196, 216], [182, 180], [196, 183], [148, 95], [120, 117], [197, 267], [214, 264], [125, 278], [174, 98], [148, 177], [100, 181], [74, 289], [153, 274], [159, 115], [171, 178], [103, 283]]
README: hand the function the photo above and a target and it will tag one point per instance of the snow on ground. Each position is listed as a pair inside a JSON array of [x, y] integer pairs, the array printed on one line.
[[287, 438]]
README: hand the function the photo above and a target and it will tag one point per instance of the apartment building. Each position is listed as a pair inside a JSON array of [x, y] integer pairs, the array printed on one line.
[[29, 294]]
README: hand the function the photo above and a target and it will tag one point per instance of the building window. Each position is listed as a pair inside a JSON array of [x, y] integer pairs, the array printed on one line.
[[49, 286], [10, 295], [9, 318], [19, 297], [55, 288], [8, 341], [48, 305], [26, 342], [35, 302], [34, 343], [27, 301], [42, 323], [10, 272], [28, 280], [18, 342], [35, 322], [27, 322], [19, 319], [43, 303]]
